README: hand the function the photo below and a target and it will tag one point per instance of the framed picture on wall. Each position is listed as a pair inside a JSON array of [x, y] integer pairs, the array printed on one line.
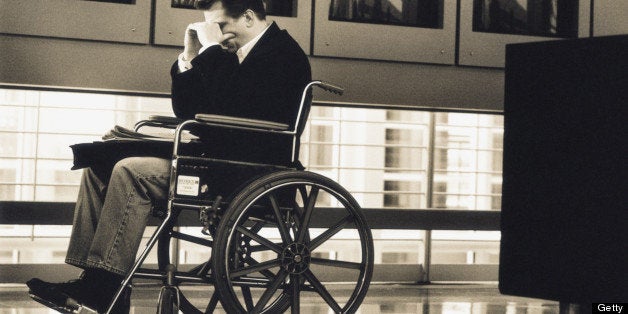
[[173, 16], [106, 20], [486, 26], [273, 7], [115, 1], [415, 13], [183, 4], [398, 30]]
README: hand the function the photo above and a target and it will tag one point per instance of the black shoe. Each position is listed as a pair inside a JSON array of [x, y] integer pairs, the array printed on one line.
[[54, 294], [93, 291], [106, 285]]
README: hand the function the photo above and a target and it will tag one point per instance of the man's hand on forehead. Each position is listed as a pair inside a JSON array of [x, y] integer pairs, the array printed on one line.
[[209, 33], [212, 16]]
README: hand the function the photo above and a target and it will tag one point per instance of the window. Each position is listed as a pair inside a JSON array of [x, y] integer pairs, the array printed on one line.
[[381, 156], [403, 148], [467, 161], [364, 148], [37, 128], [401, 194]]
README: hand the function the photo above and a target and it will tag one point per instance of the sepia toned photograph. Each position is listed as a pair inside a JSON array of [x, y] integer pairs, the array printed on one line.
[[273, 7], [416, 13], [313, 156], [115, 1], [548, 18]]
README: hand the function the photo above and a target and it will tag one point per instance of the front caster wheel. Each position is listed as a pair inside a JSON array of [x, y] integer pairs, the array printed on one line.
[[168, 301]]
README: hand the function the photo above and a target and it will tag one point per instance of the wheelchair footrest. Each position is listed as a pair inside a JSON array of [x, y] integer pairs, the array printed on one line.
[[70, 307], [82, 309]]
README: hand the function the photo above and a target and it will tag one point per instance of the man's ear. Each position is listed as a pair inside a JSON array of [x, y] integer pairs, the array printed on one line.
[[249, 16]]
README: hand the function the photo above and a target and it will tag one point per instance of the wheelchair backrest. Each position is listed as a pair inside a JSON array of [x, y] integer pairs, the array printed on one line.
[[304, 111]]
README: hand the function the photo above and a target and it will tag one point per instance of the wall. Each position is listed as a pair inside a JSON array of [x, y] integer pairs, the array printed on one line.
[[136, 67], [133, 67], [610, 18]]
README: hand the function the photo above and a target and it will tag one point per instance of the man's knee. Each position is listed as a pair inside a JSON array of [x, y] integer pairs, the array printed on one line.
[[125, 167], [142, 167], [128, 163]]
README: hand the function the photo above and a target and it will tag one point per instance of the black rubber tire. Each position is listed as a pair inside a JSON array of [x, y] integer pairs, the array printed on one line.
[[163, 260], [282, 262], [168, 302]]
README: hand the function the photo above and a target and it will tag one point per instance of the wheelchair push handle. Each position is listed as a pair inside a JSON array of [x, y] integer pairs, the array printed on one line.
[[330, 87], [165, 119]]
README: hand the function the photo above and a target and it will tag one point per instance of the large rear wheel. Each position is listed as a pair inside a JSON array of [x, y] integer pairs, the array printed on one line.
[[274, 244]]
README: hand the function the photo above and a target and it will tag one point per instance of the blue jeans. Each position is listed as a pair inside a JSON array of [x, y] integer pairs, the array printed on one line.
[[112, 211]]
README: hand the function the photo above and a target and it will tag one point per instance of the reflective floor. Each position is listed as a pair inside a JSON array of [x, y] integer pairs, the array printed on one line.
[[382, 298]]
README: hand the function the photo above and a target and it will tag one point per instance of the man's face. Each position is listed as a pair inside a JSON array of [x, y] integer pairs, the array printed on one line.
[[228, 25]]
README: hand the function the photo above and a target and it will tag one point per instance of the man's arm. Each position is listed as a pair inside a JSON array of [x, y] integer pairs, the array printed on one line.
[[197, 72], [271, 83], [198, 89]]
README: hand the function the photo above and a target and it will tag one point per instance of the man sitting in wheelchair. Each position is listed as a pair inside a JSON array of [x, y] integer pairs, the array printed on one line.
[[235, 63]]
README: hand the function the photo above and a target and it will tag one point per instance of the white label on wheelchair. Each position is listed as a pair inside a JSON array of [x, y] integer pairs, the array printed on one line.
[[187, 185]]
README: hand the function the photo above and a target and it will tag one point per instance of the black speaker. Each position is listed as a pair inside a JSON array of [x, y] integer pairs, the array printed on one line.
[[565, 192]]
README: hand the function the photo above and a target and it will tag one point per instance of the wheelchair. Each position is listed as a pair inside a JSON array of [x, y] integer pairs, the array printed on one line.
[[267, 226]]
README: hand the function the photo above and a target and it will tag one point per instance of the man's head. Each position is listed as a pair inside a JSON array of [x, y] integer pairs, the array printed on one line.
[[245, 19]]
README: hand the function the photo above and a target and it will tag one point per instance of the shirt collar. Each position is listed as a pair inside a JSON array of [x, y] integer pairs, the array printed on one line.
[[244, 50]]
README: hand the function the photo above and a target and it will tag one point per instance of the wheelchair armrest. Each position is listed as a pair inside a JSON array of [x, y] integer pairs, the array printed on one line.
[[241, 122], [165, 119], [167, 122]]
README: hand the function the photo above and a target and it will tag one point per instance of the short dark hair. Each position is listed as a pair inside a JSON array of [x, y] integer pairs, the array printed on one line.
[[235, 8]]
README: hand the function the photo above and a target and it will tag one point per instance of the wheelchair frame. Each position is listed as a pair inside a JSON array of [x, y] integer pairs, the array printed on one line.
[[234, 225]]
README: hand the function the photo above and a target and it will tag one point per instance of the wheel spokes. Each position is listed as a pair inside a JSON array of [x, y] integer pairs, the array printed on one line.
[[255, 268], [261, 303], [257, 226], [270, 249], [259, 239], [322, 291], [334, 263], [309, 208], [267, 273], [330, 232], [258, 248], [283, 230], [213, 302], [248, 297], [295, 293]]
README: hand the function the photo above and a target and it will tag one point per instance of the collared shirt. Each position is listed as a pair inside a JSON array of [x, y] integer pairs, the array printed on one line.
[[244, 51], [185, 65]]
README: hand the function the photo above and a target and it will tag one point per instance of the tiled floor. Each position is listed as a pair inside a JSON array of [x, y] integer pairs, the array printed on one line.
[[382, 298]]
